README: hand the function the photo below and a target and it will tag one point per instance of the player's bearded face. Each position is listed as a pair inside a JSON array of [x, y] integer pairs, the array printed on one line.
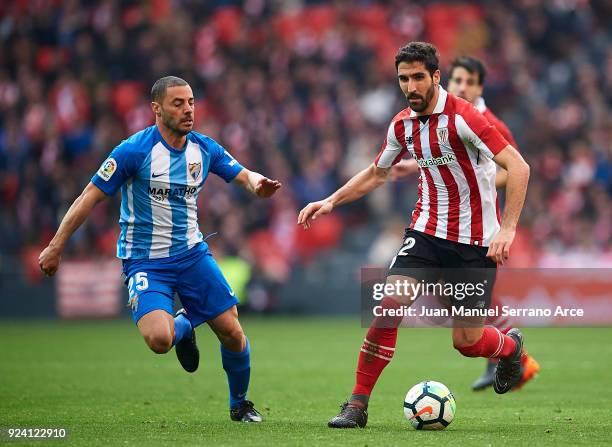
[[175, 123], [176, 111], [417, 84], [417, 102]]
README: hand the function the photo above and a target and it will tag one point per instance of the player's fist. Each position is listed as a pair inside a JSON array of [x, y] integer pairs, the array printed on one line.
[[499, 249], [49, 260], [314, 210], [266, 187]]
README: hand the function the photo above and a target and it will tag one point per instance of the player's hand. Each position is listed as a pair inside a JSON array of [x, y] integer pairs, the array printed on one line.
[[314, 210], [49, 260], [266, 187], [499, 250]]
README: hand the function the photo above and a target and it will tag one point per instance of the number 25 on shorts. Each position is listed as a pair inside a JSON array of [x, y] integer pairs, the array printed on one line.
[[137, 282]]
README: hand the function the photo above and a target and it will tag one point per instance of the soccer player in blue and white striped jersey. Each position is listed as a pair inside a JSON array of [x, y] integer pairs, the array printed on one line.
[[161, 171]]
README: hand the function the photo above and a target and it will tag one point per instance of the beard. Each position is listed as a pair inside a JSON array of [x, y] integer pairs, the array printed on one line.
[[174, 124], [419, 107]]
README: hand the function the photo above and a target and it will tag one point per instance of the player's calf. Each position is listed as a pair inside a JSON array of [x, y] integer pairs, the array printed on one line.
[[228, 330], [491, 343], [466, 336], [235, 357], [487, 378], [233, 340]]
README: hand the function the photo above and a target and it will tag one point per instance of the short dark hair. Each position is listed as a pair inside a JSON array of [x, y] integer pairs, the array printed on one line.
[[472, 65], [158, 91], [419, 52]]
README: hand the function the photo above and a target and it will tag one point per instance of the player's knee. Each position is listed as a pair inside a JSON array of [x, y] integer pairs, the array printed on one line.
[[233, 339], [159, 342]]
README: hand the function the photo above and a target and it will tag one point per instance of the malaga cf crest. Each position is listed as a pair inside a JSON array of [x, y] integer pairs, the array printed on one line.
[[195, 169]]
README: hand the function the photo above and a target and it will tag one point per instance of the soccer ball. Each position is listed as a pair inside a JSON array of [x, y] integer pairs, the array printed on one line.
[[429, 405]]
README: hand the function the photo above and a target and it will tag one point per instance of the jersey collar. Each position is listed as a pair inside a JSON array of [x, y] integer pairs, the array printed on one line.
[[167, 146], [439, 108]]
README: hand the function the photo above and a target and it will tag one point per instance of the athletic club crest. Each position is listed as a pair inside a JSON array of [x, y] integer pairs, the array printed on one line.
[[442, 135], [195, 169]]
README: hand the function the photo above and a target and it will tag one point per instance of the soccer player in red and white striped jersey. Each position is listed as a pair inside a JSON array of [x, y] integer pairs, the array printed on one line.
[[454, 224], [466, 80]]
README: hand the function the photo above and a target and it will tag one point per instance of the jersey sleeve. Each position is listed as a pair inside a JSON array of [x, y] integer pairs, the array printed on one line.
[[392, 150], [474, 128], [222, 163], [121, 164]]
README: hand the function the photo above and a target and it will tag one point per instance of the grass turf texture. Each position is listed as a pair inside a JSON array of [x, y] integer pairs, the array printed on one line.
[[100, 381]]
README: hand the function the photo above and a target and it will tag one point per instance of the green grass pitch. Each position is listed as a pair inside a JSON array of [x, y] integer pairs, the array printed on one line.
[[100, 381]]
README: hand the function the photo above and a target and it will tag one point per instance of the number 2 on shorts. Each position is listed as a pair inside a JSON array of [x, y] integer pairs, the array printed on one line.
[[408, 244]]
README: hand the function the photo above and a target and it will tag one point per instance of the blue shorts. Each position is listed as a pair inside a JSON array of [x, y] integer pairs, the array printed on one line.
[[194, 276]]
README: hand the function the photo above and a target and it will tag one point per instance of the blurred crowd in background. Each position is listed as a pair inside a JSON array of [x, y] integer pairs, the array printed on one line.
[[301, 91]]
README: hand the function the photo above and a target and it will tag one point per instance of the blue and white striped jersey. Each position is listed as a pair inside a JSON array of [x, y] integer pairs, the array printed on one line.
[[159, 188]]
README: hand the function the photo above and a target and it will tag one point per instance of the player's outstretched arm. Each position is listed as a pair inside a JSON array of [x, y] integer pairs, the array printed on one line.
[[50, 257], [358, 186], [516, 190], [257, 184]]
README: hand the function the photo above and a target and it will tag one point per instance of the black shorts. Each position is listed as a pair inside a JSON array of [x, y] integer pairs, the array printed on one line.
[[430, 260]]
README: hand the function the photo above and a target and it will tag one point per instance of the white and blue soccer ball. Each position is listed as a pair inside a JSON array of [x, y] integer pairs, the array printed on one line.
[[429, 405]]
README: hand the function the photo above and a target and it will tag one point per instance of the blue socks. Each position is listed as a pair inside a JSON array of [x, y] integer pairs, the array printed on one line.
[[182, 328], [237, 366]]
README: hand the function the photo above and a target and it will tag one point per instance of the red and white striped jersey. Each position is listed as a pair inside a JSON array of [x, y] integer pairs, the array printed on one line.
[[454, 149]]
